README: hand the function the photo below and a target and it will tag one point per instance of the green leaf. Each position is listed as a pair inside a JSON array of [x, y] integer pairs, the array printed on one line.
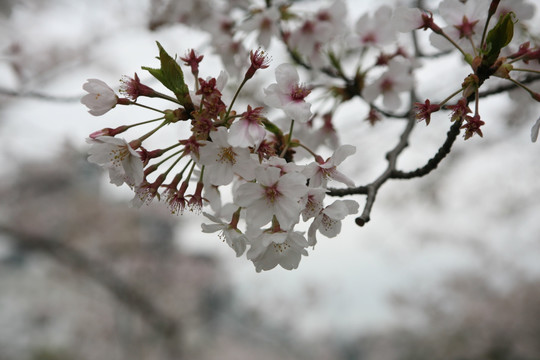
[[499, 37], [171, 76]]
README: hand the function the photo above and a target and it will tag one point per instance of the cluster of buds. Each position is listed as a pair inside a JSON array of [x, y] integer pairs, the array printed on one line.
[[226, 150], [469, 32]]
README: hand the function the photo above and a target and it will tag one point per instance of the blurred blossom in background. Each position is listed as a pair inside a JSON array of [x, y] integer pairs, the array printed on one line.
[[447, 268]]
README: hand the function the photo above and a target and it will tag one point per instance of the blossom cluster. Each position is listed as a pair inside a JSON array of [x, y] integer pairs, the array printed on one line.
[[278, 198], [485, 46], [243, 152]]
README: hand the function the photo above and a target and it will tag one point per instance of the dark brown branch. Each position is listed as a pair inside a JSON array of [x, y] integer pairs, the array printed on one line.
[[432, 163], [103, 275], [509, 86], [371, 189]]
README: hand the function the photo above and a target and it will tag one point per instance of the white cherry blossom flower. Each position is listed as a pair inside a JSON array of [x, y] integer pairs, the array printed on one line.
[[376, 30], [407, 19], [222, 161], [265, 22], [229, 233], [390, 84], [313, 203], [335, 15], [313, 36], [100, 98], [272, 195], [288, 94], [328, 222], [283, 248], [118, 157], [282, 164], [464, 20], [319, 173], [310, 37], [248, 130]]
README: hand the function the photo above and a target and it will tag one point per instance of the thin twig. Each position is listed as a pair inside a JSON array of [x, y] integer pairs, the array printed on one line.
[[38, 96]]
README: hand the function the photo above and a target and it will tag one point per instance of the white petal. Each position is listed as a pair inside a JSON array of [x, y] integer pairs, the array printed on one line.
[[407, 19], [342, 153], [534, 130], [286, 77], [247, 193], [299, 111]]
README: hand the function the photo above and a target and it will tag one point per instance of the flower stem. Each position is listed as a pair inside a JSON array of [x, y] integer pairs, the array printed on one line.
[[235, 96], [144, 122], [147, 107], [527, 70], [454, 43], [450, 97], [167, 97], [150, 133], [308, 150], [288, 140]]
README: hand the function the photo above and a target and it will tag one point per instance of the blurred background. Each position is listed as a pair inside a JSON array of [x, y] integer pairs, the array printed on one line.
[[448, 267]]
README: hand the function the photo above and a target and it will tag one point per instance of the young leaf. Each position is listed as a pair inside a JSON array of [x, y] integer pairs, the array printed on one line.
[[171, 76], [499, 37]]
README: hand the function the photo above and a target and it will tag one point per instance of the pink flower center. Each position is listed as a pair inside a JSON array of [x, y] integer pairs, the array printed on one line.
[[324, 16], [387, 85], [271, 193], [327, 172], [266, 24], [369, 38], [308, 28], [299, 92]]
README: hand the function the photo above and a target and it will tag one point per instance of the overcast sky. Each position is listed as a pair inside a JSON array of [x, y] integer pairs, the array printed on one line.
[[486, 193]]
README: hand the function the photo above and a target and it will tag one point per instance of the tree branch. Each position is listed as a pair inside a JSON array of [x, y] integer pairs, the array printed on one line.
[[432, 163], [39, 96], [509, 86]]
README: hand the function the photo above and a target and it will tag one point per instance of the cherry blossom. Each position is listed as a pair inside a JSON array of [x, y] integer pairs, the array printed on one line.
[[328, 222], [321, 171], [408, 19], [465, 22], [248, 130], [272, 195], [395, 80], [265, 162], [310, 37], [313, 203], [100, 98], [288, 94], [119, 158], [222, 161], [335, 15], [228, 231], [372, 31], [264, 22], [272, 248]]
